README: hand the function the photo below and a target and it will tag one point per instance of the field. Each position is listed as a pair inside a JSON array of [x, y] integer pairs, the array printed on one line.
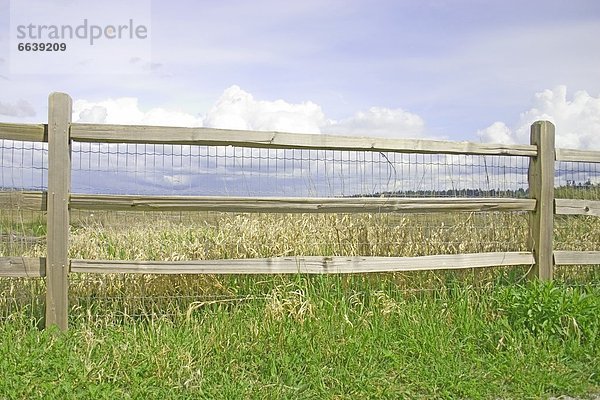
[[482, 333]]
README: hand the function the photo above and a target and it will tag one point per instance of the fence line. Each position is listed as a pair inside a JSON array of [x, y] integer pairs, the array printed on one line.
[[281, 140], [574, 155], [577, 207], [306, 265], [38, 201], [57, 201], [24, 132]]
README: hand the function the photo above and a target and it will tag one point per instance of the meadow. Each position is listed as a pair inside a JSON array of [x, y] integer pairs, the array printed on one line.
[[473, 333]]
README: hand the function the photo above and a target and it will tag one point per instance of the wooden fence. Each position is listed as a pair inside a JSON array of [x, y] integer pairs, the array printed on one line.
[[58, 201]]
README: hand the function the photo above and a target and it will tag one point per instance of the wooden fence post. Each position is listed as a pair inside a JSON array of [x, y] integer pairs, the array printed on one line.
[[541, 188], [59, 186]]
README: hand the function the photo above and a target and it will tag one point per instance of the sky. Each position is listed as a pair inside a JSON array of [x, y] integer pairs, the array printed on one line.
[[463, 70]]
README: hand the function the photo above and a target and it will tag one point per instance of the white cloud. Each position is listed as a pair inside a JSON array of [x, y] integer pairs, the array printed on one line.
[[19, 109], [577, 120], [379, 121], [126, 110], [94, 114], [498, 132], [237, 109]]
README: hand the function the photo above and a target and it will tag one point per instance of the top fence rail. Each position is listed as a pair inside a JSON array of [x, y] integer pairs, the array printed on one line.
[[24, 132], [272, 139], [142, 134], [257, 139]]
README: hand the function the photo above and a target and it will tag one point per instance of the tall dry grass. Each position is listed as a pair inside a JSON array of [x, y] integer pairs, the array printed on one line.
[[225, 236], [201, 236]]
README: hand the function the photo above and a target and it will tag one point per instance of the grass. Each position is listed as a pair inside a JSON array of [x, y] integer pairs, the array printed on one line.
[[478, 333], [309, 338]]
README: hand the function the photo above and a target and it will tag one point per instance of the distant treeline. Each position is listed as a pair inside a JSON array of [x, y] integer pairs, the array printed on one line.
[[518, 193], [583, 188]]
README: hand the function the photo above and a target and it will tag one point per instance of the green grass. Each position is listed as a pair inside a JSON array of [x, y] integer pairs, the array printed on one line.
[[445, 334], [312, 338]]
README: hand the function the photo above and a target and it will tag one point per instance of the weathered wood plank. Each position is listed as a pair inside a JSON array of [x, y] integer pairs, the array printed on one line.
[[59, 184], [23, 200], [24, 132], [300, 205], [562, 257], [305, 265], [22, 267], [577, 207], [575, 155], [225, 137], [541, 188]]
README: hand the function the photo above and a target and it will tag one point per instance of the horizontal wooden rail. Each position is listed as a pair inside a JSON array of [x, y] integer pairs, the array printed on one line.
[[578, 155], [305, 265], [38, 201], [577, 207], [281, 140], [296, 205], [562, 257], [24, 267], [23, 200], [24, 132]]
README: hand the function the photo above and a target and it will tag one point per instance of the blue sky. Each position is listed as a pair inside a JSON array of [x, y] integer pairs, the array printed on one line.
[[459, 70]]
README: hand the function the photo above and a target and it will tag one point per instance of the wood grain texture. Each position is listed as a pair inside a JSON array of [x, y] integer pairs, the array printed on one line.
[[59, 184], [23, 200], [577, 207], [541, 185], [574, 155], [281, 140], [577, 257], [24, 132], [22, 267], [305, 265], [300, 205]]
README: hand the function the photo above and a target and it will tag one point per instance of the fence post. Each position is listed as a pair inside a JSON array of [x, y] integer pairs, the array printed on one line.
[[541, 188], [59, 186]]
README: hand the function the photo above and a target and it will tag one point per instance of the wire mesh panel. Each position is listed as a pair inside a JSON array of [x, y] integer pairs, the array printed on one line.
[[237, 171], [22, 233], [23, 297], [23, 165], [156, 169], [179, 236], [210, 235], [579, 181]]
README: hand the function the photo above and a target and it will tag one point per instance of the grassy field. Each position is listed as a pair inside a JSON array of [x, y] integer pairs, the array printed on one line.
[[322, 337], [466, 334]]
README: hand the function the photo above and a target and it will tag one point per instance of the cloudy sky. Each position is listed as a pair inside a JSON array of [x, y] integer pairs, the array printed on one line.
[[460, 70]]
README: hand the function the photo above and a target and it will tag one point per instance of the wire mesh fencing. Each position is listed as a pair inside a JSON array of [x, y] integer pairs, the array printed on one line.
[[258, 172], [23, 165], [238, 171], [577, 180], [580, 181], [178, 236], [22, 297], [153, 169]]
